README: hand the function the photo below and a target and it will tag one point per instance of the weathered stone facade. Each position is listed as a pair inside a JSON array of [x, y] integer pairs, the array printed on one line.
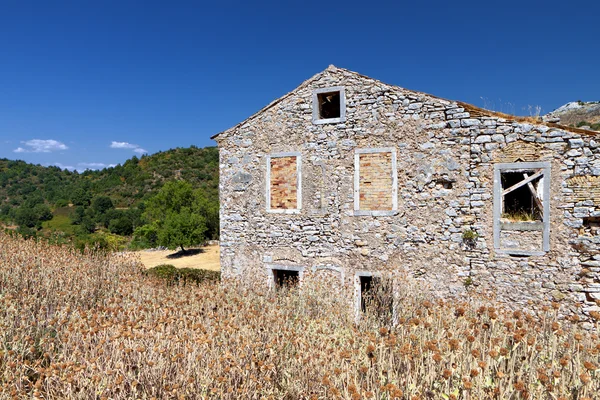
[[437, 215]]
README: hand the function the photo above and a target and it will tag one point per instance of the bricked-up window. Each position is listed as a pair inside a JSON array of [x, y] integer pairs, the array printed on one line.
[[375, 182], [329, 105], [522, 208], [284, 189]]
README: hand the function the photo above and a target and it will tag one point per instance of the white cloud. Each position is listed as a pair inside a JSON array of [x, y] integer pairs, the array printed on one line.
[[62, 166], [82, 166], [126, 145], [41, 146], [123, 145]]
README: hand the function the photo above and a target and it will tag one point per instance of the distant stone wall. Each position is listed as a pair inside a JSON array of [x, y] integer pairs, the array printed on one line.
[[445, 187]]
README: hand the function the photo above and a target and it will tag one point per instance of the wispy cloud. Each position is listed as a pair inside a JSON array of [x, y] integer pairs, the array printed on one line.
[[126, 145], [123, 145], [41, 146], [93, 165], [62, 166]]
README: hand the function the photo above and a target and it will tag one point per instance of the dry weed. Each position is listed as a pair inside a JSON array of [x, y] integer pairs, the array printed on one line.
[[90, 326]]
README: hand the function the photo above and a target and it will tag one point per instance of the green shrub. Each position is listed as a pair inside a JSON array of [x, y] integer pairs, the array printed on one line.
[[174, 275], [164, 271]]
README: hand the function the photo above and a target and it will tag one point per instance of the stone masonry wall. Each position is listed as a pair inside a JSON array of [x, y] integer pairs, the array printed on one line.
[[445, 171]]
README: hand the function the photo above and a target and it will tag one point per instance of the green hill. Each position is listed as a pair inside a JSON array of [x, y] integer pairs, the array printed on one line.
[[25, 187]]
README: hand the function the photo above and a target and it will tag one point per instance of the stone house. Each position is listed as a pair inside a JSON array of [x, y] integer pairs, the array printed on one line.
[[347, 177]]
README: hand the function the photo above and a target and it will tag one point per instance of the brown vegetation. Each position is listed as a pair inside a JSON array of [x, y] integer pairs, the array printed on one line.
[[92, 326]]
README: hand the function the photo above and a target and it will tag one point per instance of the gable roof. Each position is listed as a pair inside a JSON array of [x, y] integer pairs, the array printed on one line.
[[472, 109]]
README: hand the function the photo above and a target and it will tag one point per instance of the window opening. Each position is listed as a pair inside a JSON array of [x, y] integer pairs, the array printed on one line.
[[522, 208], [285, 278], [329, 105], [521, 200]]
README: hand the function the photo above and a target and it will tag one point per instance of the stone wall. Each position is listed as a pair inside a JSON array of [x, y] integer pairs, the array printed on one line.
[[446, 152]]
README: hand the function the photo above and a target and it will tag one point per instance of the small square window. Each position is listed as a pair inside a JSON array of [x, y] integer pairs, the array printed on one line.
[[285, 279], [329, 105], [284, 276]]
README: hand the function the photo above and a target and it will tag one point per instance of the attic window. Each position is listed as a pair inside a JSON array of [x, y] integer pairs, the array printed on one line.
[[329, 105]]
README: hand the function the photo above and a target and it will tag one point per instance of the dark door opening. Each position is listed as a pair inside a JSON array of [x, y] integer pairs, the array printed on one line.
[[367, 284], [285, 278]]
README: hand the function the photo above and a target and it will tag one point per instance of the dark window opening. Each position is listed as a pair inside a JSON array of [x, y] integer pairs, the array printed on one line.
[[520, 204], [329, 105], [591, 222], [284, 278]]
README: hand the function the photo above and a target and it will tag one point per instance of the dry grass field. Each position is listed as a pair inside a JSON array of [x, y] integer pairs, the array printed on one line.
[[207, 258], [92, 326]]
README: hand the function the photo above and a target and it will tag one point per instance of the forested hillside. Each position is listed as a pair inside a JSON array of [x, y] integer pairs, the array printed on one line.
[[33, 197]]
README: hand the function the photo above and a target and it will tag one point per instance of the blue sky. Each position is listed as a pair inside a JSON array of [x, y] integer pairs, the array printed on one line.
[[91, 83]]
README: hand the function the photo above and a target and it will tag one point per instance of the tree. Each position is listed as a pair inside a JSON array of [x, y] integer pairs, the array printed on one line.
[[26, 217], [177, 216], [81, 197], [181, 229], [101, 204]]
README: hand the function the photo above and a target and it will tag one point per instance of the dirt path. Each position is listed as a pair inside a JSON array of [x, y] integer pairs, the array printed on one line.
[[205, 258]]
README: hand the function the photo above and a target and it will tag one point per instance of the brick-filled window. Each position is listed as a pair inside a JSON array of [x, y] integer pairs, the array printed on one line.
[[375, 182], [284, 189]]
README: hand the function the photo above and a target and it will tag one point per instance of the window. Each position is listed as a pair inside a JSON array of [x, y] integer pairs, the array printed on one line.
[[284, 189], [329, 105], [522, 208], [375, 182], [284, 276]]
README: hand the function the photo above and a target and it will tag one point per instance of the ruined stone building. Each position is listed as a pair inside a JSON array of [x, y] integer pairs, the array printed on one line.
[[347, 177]]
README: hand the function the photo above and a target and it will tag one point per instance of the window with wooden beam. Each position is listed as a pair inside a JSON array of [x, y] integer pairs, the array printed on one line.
[[522, 208]]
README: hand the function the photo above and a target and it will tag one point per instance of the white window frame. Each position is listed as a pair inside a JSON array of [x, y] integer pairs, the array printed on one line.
[[498, 198], [297, 210], [316, 117], [357, 210], [279, 267]]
